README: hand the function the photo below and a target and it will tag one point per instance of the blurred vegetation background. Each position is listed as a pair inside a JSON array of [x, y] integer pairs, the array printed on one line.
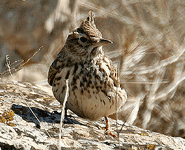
[[148, 50]]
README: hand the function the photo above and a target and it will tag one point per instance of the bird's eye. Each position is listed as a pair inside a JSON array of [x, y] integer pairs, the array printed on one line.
[[83, 39]]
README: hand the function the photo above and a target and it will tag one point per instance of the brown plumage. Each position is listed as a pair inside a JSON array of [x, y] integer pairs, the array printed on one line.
[[94, 86]]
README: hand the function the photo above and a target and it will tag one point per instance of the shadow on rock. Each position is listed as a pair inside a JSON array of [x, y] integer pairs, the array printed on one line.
[[43, 116]]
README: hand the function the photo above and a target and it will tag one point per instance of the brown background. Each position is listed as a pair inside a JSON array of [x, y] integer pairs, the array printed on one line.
[[148, 49]]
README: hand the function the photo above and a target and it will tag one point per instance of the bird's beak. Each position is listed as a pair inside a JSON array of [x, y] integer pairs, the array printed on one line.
[[103, 42]]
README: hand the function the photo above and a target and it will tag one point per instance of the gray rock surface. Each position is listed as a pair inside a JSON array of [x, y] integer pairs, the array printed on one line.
[[20, 129]]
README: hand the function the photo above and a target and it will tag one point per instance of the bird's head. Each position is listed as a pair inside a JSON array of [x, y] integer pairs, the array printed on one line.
[[87, 39]]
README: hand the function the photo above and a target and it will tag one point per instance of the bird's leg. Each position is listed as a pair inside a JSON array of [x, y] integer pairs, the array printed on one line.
[[66, 115], [67, 119], [108, 132]]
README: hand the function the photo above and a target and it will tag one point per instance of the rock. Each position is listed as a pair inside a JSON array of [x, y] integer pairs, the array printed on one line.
[[20, 129]]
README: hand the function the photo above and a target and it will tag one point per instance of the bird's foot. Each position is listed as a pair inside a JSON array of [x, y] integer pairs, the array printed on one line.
[[108, 132], [107, 128]]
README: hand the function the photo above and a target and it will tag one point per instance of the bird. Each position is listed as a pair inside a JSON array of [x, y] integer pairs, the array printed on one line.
[[94, 85]]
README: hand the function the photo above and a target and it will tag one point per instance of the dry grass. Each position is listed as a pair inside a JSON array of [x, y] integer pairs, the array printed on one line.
[[148, 49]]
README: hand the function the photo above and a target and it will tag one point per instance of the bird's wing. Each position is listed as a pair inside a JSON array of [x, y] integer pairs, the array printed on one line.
[[52, 71], [113, 71]]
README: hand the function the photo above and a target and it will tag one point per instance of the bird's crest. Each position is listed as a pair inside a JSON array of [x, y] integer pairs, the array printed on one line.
[[88, 26]]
